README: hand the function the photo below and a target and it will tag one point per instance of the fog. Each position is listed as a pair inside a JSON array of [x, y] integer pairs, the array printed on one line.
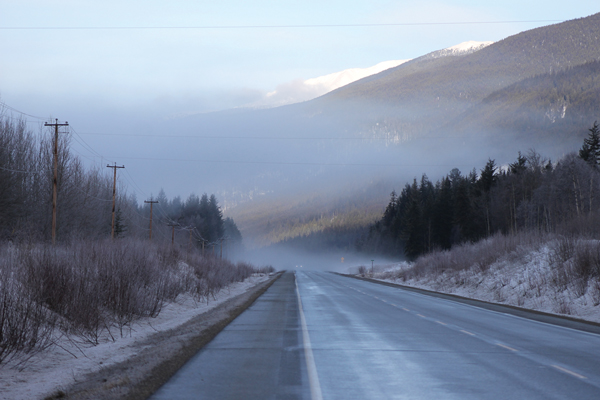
[[325, 150], [289, 258]]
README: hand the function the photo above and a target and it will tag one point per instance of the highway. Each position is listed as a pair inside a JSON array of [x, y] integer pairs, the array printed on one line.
[[317, 335]]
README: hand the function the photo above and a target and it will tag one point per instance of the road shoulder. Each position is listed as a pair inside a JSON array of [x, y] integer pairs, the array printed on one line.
[[540, 316]]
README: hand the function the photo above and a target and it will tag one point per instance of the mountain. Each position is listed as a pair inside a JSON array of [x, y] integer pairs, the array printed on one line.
[[451, 108], [420, 95], [550, 108]]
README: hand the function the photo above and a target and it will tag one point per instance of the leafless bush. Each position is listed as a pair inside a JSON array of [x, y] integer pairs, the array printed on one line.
[[87, 289], [25, 326], [574, 262], [563, 250], [594, 291], [362, 270]]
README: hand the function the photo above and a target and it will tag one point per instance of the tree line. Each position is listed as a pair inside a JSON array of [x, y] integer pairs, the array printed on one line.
[[85, 197], [532, 193]]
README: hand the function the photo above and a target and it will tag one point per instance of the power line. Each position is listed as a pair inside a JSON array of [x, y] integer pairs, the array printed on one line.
[[293, 163], [256, 137], [2, 104], [300, 26]]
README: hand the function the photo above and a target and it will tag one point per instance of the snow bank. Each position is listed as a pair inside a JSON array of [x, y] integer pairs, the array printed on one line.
[[527, 278]]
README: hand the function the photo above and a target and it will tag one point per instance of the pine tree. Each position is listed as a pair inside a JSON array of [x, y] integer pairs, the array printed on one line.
[[413, 227], [120, 226], [443, 215], [518, 166], [590, 151]]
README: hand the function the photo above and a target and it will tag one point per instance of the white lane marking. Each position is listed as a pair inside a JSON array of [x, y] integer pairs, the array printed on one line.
[[313, 377], [575, 374], [422, 316], [506, 347], [405, 309], [467, 332], [441, 323]]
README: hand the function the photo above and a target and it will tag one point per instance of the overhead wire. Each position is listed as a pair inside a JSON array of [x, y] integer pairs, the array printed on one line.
[[3, 104], [289, 162], [286, 26]]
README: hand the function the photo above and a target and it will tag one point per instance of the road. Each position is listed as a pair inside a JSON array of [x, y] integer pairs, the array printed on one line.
[[316, 335]]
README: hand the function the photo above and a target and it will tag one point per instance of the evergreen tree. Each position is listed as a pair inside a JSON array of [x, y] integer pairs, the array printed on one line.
[[413, 228], [120, 226], [518, 166], [590, 151], [443, 214]]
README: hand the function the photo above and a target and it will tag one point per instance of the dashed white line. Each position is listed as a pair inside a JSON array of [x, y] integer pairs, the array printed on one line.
[[506, 347], [467, 332], [567, 371]]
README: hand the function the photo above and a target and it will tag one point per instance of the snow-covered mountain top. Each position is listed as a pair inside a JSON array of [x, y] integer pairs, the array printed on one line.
[[338, 79], [468, 47], [303, 90], [460, 49]]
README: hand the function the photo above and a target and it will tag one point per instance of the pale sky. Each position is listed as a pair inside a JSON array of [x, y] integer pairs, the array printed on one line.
[[114, 79], [187, 69]]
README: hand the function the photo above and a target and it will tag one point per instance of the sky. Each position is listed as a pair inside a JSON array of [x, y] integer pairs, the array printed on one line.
[[177, 58]]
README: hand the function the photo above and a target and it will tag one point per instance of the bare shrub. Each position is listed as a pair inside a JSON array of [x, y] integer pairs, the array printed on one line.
[[562, 250], [362, 270], [87, 289], [594, 291], [25, 326]]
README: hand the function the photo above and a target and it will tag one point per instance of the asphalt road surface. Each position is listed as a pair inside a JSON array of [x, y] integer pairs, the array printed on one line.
[[316, 335]]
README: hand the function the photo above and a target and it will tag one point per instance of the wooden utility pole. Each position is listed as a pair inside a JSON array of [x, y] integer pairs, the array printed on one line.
[[151, 202], [173, 233], [55, 179], [114, 167]]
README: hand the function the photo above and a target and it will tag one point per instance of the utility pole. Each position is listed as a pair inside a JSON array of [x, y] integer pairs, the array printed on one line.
[[221, 257], [114, 167], [55, 179], [173, 233], [151, 202]]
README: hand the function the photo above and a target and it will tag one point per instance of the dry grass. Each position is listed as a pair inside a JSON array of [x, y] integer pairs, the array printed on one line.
[[89, 290]]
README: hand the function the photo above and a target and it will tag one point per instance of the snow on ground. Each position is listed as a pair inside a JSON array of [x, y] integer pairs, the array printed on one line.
[[64, 364], [526, 281]]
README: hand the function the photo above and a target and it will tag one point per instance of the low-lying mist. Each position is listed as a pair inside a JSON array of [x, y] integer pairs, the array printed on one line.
[[290, 258]]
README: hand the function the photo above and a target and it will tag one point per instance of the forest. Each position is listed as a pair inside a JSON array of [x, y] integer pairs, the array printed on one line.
[[532, 194]]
